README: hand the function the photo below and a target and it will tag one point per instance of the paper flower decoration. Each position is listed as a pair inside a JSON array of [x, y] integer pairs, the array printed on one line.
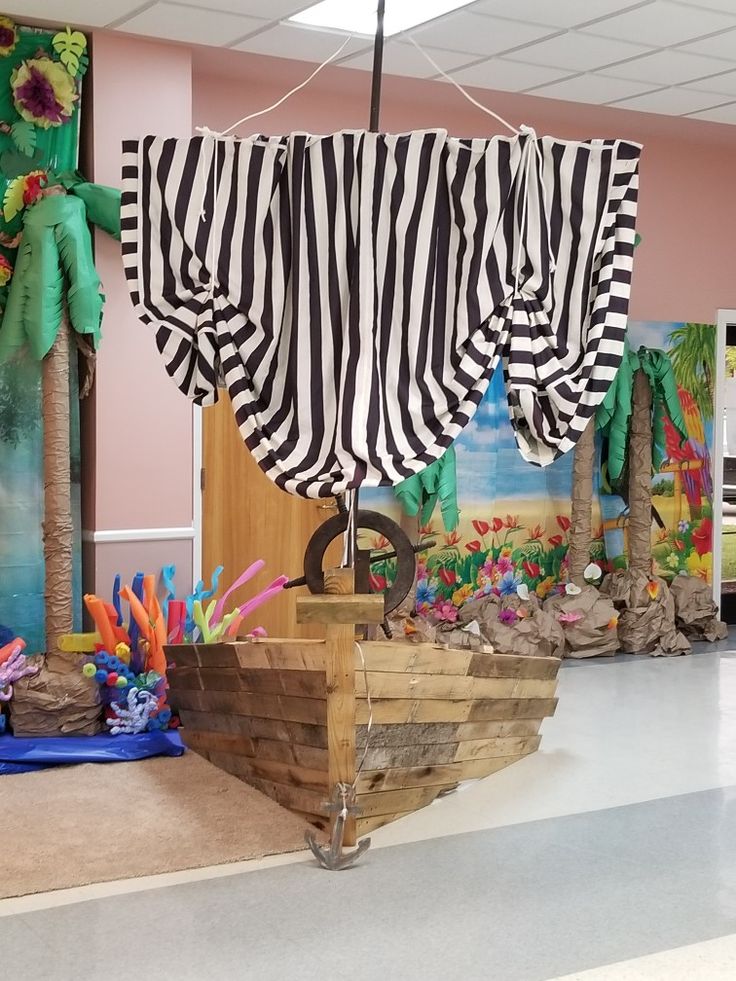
[[6, 271], [592, 572], [522, 591], [22, 191], [572, 589], [44, 92], [613, 622], [653, 589], [508, 617], [8, 37], [569, 617]]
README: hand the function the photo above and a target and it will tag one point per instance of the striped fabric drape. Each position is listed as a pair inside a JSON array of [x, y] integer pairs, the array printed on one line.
[[355, 292]]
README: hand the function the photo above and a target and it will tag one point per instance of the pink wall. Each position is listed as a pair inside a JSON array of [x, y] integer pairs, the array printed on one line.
[[684, 269], [137, 429]]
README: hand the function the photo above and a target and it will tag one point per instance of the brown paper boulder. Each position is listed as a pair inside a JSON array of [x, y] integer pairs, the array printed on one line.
[[646, 614], [58, 701], [535, 634], [589, 623], [696, 613]]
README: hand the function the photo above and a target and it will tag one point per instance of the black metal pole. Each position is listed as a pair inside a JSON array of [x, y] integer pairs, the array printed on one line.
[[377, 68]]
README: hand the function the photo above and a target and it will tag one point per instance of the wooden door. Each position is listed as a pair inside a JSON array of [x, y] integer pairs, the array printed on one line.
[[246, 517]]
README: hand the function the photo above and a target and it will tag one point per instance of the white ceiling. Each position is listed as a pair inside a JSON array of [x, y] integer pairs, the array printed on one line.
[[676, 57]]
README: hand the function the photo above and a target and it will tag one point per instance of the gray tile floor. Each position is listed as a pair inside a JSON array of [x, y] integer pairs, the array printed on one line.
[[521, 903]]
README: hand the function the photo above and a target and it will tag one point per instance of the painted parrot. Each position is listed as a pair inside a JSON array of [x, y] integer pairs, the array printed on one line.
[[697, 483]]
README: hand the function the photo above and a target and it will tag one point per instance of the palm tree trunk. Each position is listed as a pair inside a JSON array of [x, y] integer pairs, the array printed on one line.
[[57, 525], [640, 477], [581, 534]]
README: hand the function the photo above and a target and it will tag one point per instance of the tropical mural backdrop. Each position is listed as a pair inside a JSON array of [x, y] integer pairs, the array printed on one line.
[[515, 519]]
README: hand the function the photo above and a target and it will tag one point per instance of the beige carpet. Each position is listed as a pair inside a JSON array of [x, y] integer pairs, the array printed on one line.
[[70, 826]]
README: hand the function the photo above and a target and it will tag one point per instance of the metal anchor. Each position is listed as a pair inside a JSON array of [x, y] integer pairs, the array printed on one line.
[[342, 803]]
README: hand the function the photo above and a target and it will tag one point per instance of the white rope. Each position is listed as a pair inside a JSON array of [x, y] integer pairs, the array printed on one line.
[[370, 714], [262, 112], [462, 91]]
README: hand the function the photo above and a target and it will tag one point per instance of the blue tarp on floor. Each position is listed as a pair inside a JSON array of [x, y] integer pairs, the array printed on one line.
[[27, 755]]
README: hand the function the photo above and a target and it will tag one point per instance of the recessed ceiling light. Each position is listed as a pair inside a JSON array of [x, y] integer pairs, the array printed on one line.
[[359, 16]]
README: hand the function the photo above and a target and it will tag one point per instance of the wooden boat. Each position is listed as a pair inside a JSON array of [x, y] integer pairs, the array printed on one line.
[[291, 717]]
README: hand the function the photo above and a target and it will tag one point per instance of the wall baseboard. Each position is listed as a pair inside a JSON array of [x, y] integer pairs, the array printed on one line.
[[138, 535]]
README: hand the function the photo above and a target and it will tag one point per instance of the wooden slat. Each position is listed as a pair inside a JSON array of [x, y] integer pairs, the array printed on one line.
[[413, 658], [284, 655], [382, 758], [273, 681], [185, 679], [445, 775], [296, 799], [397, 801], [257, 728], [310, 710], [475, 749], [319, 821], [291, 753], [424, 734], [395, 710], [280, 773], [513, 666], [346, 609], [504, 728], [364, 826], [386, 684]]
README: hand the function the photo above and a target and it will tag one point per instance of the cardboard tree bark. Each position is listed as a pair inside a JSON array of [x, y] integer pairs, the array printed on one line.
[[57, 524], [581, 518], [640, 477]]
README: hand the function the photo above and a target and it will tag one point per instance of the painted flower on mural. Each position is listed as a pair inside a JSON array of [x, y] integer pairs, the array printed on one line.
[[504, 566], [509, 617], [535, 533], [426, 593], [452, 539], [380, 542], [448, 577], [445, 611], [545, 587], [44, 92], [703, 537], [377, 583], [474, 546], [532, 570], [497, 525], [481, 527], [700, 565], [555, 540], [508, 584], [564, 522], [682, 526], [421, 571], [8, 37], [512, 521], [6, 271], [672, 561], [462, 594]]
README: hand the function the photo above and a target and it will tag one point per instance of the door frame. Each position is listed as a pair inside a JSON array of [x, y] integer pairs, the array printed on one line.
[[725, 319], [196, 494]]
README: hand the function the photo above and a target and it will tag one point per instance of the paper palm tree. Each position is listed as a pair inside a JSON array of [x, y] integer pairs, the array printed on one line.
[[55, 291]]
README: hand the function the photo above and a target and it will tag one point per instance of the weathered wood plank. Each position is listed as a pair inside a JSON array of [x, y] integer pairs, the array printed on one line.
[[291, 753], [423, 734], [433, 754], [397, 801], [309, 710], [274, 681], [511, 666], [448, 774], [346, 609], [474, 749], [386, 684], [364, 826], [283, 655], [257, 728], [185, 679], [280, 773], [414, 658], [295, 798], [396, 710], [220, 679]]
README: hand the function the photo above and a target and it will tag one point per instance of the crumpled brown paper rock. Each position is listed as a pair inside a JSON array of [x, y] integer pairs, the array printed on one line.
[[58, 701], [696, 613], [646, 609], [589, 622], [536, 634]]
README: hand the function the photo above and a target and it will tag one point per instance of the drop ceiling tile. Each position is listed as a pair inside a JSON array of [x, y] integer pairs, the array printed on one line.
[[723, 84], [477, 35], [672, 102], [721, 46], [593, 89], [402, 58], [553, 13], [177, 23], [662, 23], [265, 9], [669, 67], [506, 75], [300, 43], [576, 52], [723, 114], [727, 6], [75, 12]]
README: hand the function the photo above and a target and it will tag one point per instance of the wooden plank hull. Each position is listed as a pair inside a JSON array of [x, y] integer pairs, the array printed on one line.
[[262, 710]]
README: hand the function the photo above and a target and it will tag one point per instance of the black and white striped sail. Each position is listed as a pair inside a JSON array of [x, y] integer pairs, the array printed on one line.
[[355, 292]]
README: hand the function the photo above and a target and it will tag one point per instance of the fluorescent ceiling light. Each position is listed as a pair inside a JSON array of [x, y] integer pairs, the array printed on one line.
[[359, 16]]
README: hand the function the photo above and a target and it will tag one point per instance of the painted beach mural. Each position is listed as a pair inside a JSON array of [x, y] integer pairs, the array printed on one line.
[[515, 518]]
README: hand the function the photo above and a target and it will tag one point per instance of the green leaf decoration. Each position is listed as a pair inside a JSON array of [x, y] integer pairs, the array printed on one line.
[[13, 200], [71, 47], [24, 136], [13, 163], [83, 65]]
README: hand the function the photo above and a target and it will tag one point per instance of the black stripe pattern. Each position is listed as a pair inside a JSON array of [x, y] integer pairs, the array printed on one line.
[[355, 292]]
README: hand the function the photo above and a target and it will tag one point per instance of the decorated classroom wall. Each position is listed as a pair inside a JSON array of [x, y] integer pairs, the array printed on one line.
[[515, 518]]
